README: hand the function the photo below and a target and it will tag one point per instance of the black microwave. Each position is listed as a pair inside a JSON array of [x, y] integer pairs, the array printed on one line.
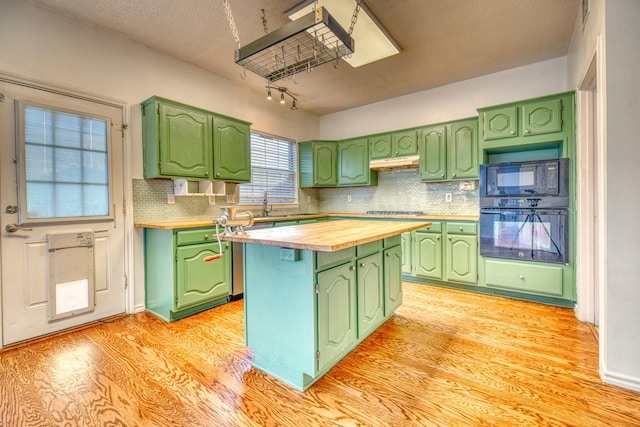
[[539, 179]]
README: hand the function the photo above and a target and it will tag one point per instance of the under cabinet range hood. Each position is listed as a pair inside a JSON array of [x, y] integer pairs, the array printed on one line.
[[395, 162]]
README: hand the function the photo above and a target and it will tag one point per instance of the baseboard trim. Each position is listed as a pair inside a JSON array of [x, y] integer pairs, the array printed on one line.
[[139, 308], [619, 380]]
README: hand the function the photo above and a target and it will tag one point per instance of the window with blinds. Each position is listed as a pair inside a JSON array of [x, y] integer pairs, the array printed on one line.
[[66, 165], [273, 171]]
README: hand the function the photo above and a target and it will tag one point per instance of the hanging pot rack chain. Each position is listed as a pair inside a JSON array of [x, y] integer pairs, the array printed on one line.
[[232, 22]]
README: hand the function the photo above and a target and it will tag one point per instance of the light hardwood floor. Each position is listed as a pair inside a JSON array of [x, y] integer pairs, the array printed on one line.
[[446, 358]]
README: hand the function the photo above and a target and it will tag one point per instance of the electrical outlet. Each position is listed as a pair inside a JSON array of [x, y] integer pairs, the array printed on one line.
[[231, 198], [349, 198], [447, 197], [171, 199]]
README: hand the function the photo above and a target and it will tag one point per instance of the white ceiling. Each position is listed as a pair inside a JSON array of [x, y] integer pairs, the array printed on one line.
[[442, 41]]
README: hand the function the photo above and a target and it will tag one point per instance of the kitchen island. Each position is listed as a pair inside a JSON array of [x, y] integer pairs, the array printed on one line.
[[313, 292]]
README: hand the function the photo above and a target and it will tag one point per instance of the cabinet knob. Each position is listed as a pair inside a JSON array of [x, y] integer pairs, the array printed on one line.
[[397, 152], [206, 236], [388, 253], [438, 238], [388, 153], [362, 265], [454, 175], [351, 267], [460, 228], [206, 173], [521, 277], [449, 238], [527, 131], [218, 174], [442, 175], [513, 132]]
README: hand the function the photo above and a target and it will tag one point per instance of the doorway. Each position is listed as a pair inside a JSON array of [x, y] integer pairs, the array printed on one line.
[[61, 218]]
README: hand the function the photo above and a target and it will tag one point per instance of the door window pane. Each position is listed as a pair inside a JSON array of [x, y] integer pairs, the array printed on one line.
[[66, 164]]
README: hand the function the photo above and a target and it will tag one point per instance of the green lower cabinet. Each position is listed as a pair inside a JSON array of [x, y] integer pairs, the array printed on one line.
[[530, 277], [181, 275], [407, 252], [370, 293], [462, 258], [303, 316], [392, 279], [337, 328], [427, 249]]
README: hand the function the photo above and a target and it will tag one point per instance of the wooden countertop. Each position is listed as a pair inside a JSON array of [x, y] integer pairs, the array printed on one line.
[[169, 225], [328, 236]]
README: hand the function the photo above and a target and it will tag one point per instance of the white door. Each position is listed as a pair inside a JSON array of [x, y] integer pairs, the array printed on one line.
[[52, 184]]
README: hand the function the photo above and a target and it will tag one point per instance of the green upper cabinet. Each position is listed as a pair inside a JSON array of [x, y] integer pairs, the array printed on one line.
[[177, 141], [433, 154], [231, 150], [462, 149], [449, 151], [353, 163], [318, 164], [532, 129], [380, 146], [180, 141], [395, 144]]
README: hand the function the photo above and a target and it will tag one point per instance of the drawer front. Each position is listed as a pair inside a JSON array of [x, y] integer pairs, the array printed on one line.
[[192, 237], [529, 277], [369, 248], [462, 228], [325, 260], [435, 227], [392, 241]]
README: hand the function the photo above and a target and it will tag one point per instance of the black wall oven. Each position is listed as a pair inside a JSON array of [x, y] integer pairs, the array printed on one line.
[[524, 211]]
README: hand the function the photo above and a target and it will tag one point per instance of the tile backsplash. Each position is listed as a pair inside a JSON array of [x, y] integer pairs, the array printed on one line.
[[397, 190], [402, 190]]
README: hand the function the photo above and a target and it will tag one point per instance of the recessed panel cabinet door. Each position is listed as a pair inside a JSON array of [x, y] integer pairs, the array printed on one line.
[[463, 149], [433, 154], [500, 123], [370, 293], [325, 163], [231, 150], [199, 280], [541, 117], [404, 143], [380, 146], [406, 244], [428, 255], [353, 164], [184, 142], [462, 259], [337, 322], [392, 279]]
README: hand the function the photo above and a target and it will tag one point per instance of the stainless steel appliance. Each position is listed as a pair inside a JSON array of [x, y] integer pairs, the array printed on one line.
[[524, 211]]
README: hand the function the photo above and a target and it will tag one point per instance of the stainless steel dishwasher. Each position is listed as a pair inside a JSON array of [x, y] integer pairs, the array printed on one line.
[[237, 290]]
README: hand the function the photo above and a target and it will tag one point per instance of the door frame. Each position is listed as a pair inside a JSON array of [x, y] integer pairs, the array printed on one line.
[[591, 195], [127, 190]]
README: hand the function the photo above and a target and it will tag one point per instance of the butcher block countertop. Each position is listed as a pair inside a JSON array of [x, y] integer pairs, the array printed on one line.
[[328, 236], [169, 225]]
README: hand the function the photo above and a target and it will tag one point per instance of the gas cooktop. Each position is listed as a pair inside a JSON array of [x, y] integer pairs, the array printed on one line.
[[416, 213]]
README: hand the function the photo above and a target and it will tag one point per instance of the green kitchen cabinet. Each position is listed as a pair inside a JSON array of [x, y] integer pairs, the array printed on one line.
[[177, 140], [370, 283], [181, 276], [337, 313], [462, 149], [353, 163], [433, 154], [394, 144], [407, 251], [318, 164], [449, 151], [532, 129], [427, 249], [392, 279], [462, 252], [231, 150], [185, 142]]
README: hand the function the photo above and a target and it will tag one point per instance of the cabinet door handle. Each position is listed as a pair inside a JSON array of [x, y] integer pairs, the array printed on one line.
[[206, 237], [218, 174], [362, 265], [521, 277], [527, 131], [388, 253], [442, 175], [351, 267], [513, 132], [397, 152], [460, 228], [438, 238], [449, 238], [206, 173]]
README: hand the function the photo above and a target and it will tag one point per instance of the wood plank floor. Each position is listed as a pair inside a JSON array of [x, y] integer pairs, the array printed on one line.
[[447, 358]]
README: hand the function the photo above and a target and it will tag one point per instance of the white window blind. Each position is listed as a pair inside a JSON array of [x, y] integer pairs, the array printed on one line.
[[273, 170], [66, 164]]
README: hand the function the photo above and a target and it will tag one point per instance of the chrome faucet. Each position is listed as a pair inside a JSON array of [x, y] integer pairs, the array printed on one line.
[[266, 208]]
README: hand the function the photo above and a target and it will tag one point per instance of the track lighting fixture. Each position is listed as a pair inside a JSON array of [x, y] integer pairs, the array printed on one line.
[[283, 91]]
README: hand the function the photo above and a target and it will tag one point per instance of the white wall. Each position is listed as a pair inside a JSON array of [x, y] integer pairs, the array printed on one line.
[[455, 101], [41, 45]]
